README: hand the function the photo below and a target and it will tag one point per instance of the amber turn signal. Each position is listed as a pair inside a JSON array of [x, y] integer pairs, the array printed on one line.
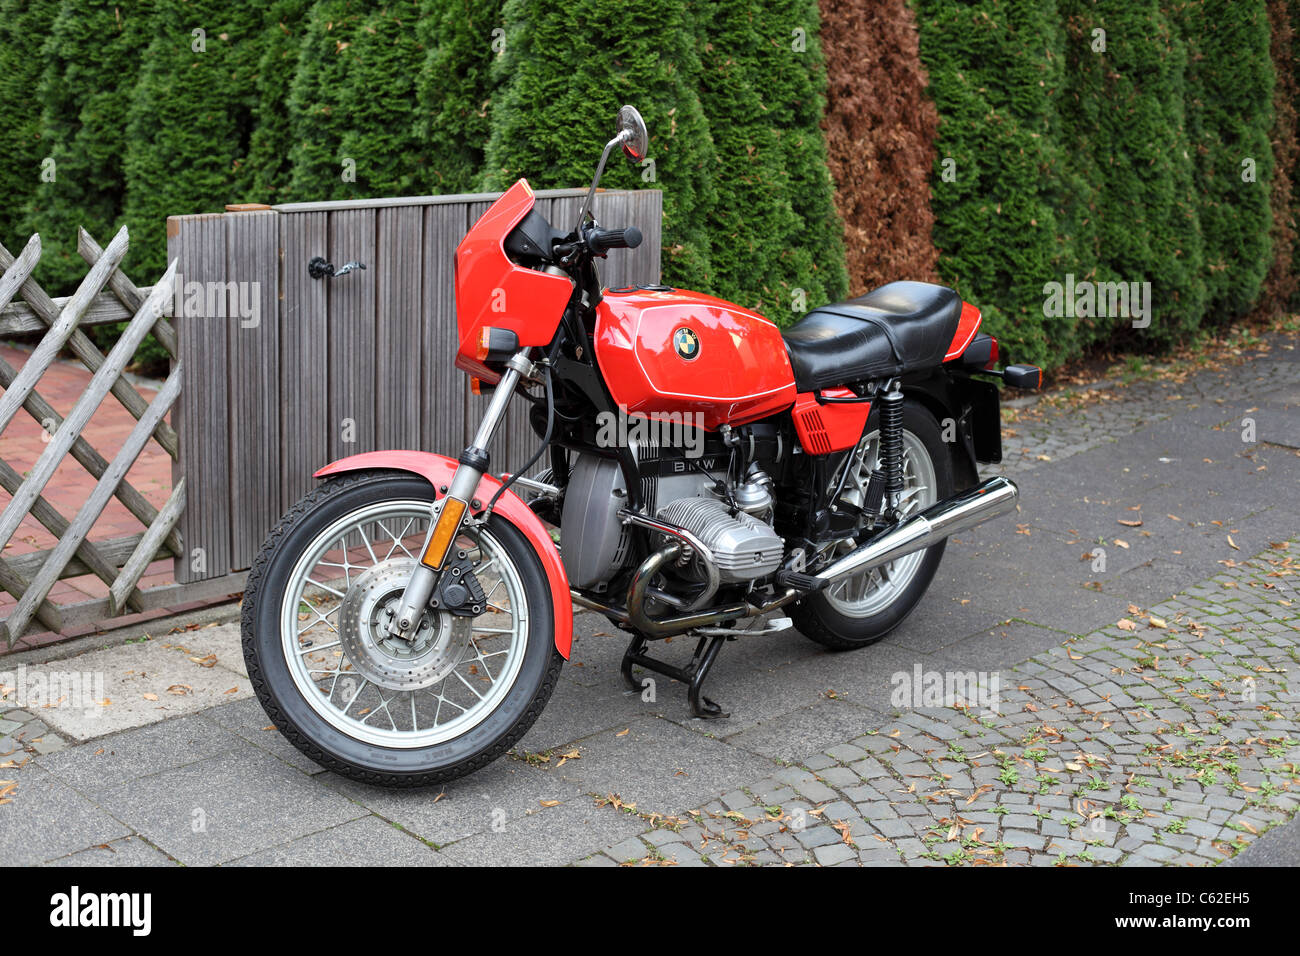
[[444, 532]]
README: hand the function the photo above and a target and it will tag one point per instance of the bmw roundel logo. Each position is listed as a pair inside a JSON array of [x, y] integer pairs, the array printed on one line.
[[686, 343]]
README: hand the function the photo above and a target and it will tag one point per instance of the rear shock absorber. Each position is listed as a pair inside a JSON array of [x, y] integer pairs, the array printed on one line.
[[885, 483], [891, 440]]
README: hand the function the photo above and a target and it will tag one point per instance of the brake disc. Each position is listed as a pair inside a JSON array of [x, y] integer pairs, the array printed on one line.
[[365, 615]]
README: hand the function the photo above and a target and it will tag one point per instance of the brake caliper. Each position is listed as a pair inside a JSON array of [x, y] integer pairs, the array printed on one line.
[[458, 591]]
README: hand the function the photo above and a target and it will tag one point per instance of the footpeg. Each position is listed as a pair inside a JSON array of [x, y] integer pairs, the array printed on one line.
[[800, 581]]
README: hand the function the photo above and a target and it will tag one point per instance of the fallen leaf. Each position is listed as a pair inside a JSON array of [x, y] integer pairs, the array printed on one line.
[[1124, 624], [150, 696], [1131, 523]]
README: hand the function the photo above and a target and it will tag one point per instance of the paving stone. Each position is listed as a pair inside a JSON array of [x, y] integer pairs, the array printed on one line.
[[833, 853], [839, 777], [551, 836], [46, 819], [128, 851], [368, 841], [140, 752], [894, 828], [628, 850], [226, 807], [818, 836]]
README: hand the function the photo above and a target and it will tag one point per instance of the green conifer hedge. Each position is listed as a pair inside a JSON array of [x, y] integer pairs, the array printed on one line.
[[1108, 140]]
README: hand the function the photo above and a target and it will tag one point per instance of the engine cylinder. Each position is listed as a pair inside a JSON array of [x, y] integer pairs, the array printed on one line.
[[743, 547]]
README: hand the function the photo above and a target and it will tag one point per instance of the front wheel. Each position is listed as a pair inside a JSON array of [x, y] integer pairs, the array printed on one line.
[[859, 611], [370, 706]]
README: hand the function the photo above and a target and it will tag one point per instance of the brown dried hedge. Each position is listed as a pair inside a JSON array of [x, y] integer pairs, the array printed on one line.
[[1281, 285], [880, 130]]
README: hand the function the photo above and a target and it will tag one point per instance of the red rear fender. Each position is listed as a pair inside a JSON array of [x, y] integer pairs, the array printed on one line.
[[967, 325], [437, 470]]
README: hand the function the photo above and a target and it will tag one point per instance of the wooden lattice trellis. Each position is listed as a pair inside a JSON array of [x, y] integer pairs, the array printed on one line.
[[104, 295]]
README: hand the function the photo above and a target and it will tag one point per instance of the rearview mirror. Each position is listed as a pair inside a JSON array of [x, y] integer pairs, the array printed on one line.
[[634, 139], [632, 133]]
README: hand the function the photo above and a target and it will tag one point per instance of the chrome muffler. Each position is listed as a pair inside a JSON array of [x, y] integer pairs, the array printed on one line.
[[987, 500]]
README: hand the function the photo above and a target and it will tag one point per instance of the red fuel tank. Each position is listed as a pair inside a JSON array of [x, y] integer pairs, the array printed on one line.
[[665, 351]]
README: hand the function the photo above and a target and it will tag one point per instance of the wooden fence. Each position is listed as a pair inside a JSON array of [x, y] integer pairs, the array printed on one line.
[[283, 372], [104, 295], [328, 367]]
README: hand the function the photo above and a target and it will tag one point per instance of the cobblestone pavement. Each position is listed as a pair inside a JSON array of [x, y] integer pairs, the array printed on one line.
[[1144, 714], [22, 732], [1171, 737]]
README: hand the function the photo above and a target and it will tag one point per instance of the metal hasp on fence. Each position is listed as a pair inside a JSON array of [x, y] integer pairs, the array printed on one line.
[[104, 295], [338, 336]]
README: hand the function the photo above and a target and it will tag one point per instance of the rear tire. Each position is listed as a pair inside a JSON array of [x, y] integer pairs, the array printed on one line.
[[323, 736], [832, 622]]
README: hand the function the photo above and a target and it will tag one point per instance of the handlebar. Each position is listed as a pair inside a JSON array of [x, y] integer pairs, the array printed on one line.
[[600, 241]]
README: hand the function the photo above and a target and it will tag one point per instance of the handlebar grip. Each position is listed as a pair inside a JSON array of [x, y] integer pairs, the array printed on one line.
[[602, 240]]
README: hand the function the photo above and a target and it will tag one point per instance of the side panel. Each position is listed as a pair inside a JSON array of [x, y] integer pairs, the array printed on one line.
[[438, 469], [823, 429], [673, 352]]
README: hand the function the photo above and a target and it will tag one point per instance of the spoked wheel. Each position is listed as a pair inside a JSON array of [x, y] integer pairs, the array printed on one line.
[[379, 708], [862, 609]]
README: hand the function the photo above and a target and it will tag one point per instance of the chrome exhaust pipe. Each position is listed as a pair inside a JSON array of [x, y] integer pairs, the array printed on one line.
[[991, 498], [635, 614]]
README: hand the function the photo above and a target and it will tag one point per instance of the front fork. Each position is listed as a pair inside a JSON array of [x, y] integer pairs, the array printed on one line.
[[448, 513]]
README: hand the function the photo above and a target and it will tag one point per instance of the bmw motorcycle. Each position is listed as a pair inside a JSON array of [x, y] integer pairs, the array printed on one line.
[[406, 622]]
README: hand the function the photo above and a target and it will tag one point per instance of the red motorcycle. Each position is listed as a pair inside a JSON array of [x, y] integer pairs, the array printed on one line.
[[406, 621]]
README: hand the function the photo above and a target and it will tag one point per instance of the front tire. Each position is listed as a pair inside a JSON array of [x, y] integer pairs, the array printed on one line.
[[861, 611], [385, 712]]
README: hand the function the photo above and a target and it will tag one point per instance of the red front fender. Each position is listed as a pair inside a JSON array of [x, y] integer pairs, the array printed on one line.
[[438, 469]]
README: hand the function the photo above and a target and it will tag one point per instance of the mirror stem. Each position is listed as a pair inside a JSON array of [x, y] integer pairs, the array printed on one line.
[[600, 169]]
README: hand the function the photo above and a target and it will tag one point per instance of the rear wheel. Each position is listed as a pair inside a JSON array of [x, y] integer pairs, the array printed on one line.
[[378, 708], [861, 610]]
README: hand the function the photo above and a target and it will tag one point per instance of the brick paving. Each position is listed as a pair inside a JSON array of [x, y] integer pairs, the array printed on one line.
[[25, 439]]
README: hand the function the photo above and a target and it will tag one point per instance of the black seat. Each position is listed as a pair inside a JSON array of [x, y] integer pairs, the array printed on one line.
[[892, 330]]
